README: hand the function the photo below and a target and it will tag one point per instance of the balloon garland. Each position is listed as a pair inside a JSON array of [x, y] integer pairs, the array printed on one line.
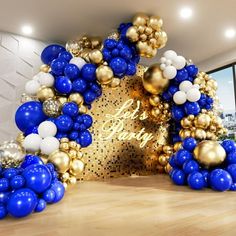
[[55, 125]]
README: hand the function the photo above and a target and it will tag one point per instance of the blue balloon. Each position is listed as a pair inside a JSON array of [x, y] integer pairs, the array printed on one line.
[[4, 184], [87, 120], [76, 126], [58, 65], [115, 52], [110, 43], [31, 130], [189, 143], [82, 127], [96, 88], [9, 173], [172, 90], [192, 70], [88, 72], [41, 205], [178, 177], [79, 85], [220, 180], [181, 75], [22, 202], [232, 171], [172, 162], [29, 114], [131, 69], [64, 123], [196, 181], [71, 71], [65, 55], [31, 160], [233, 187], [85, 138], [192, 108], [166, 96], [106, 54], [73, 135], [206, 176], [4, 197], [59, 190], [229, 146], [89, 97], [126, 53], [37, 177], [63, 85], [3, 211], [51, 52], [70, 108], [182, 156], [49, 195], [231, 158], [177, 113], [51, 167], [119, 66], [17, 182], [190, 166], [61, 135]]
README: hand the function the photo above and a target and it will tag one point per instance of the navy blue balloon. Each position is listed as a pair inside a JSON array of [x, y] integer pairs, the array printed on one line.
[[177, 113], [206, 176], [110, 43], [178, 177], [59, 190], [61, 135], [88, 72], [189, 143], [22, 202], [73, 135], [4, 184], [37, 177], [63, 85], [85, 138], [64, 123], [172, 161], [17, 182], [232, 171], [181, 75], [31, 160], [96, 88], [115, 52], [49, 195], [29, 114], [51, 167], [3, 211], [131, 69], [192, 108], [118, 66], [172, 90], [65, 55], [233, 187], [229, 146], [4, 197], [196, 181], [87, 120], [41, 205], [31, 130], [126, 53], [79, 85], [58, 65], [71, 71], [76, 126], [220, 180], [190, 166], [51, 52], [9, 173], [106, 54], [192, 70], [182, 156], [231, 158], [89, 96], [70, 108]]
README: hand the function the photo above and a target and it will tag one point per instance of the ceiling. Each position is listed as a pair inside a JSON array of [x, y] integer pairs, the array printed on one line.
[[198, 38]]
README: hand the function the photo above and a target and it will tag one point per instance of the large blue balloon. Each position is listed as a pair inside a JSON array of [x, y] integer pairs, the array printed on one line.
[[196, 181], [3, 211], [220, 180], [37, 177], [182, 156], [229, 145], [70, 108], [63, 85], [79, 85], [51, 52], [59, 190], [88, 72], [190, 166], [178, 177], [87, 120], [85, 138], [177, 113], [71, 71], [17, 182], [64, 123], [189, 143], [192, 108], [29, 114], [31, 160], [58, 65], [22, 202]]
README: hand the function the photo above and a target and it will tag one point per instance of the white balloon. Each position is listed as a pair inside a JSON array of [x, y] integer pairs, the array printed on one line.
[[47, 129], [185, 86], [179, 62], [163, 60], [162, 66], [32, 87], [180, 97], [36, 77], [78, 61], [32, 142], [196, 86], [168, 62], [170, 54], [46, 79], [170, 72], [49, 145], [193, 95]]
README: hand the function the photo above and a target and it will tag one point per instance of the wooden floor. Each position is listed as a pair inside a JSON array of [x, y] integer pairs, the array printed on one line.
[[144, 206]]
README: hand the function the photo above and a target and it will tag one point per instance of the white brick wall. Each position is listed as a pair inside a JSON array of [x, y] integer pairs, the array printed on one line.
[[19, 61]]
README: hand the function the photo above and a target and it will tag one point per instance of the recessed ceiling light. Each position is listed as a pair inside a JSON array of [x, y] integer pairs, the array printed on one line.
[[230, 33], [186, 12], [27, 29]]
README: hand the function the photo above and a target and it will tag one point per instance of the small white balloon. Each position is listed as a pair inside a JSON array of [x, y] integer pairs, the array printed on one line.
[[32, 87], [36, 77], [163, 60], [180, 97], [162, 66], [179, 62], [46, 79], [196, 86], [49, 145], [193, 95], [168, 62], [169, 72], [170, 54], [185, 86], [78, 61], [32, 142], [47, 129]]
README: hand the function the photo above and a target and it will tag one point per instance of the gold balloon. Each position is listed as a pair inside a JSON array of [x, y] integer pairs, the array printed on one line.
[[45, 93], [115, 82], [52, 107], [142, 48], [95, 56], [45, 68], [96, 42], [83, 109], [62, 100], [155, 22], [154, 100], [72, 180], [132, 34], [209, 153], [140, 19], [77, 98], [61, 161], [162, 39], [177, 146], [153, 80], [163, 159], [76, 167], [202, 121], [168, 168], [199, 134], [186, 123], [104, 74]]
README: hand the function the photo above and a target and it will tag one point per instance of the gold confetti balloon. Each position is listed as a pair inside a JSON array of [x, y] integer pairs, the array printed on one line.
[[61, 161], [209, 153], [52, 107]]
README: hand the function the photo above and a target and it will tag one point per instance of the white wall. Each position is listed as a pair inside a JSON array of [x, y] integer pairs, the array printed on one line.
[[19, 61]]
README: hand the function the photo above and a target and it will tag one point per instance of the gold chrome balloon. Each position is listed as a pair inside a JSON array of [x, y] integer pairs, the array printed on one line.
[[52, 107], [132, 34], [115, 82], [76, 167], [45, 93], [209, 153], [202, 121], [62, 100], [96, 56], [155, 22], [45, 68], [140, 19], [77, 98], [104, 74], [61, 161]]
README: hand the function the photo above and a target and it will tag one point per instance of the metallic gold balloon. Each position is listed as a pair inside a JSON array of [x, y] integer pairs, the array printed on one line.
[[153, 80], [140, 19], [186, 123], [76, 167], [155, 22], [95, 56], [104, 74], [162, 39], [177, 146], [96, 42], [163, 159], [199, 134], [132, 34], [20, 138], [26, 98], [168, 168], [154, 100], [202, 121], [52, 107], [72, 180], [142, 48], [83, 109], [45, 68], [209, 153], [115, 82], [61, 161], [45, 93], [77, 98], [62, 100]]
